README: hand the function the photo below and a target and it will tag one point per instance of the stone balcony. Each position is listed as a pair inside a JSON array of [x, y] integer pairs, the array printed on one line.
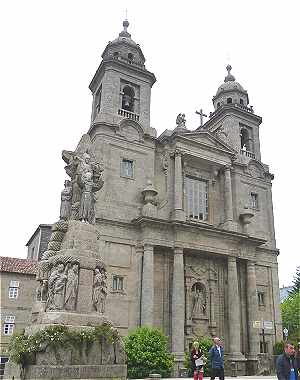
[[128, 115]]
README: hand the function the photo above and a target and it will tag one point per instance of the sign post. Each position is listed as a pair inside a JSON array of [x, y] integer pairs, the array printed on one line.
[[285, 333]]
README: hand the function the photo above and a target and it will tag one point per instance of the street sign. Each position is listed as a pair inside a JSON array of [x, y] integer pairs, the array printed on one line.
[[268, 325], [285, 331], [256, 324]]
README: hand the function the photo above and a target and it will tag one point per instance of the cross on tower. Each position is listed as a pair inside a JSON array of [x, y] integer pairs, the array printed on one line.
[[202, 115]]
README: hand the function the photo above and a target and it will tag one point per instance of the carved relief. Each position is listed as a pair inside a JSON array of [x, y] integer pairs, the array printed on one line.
[[62, 286]]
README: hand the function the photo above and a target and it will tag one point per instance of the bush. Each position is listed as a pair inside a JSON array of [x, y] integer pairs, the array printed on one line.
[[147, 352], [278, 348], [205, 343]]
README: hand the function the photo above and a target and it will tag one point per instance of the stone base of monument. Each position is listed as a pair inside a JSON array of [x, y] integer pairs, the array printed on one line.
[[89, 347], [72, 372]]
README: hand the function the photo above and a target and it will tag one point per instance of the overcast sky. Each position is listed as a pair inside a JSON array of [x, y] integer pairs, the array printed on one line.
[[50, 51]]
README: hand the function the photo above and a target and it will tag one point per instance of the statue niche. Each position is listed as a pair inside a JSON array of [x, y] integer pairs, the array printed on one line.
[[198, 301]]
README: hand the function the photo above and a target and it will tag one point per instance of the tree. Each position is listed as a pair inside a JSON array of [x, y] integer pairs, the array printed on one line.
[[296, 282], [291, 315], [147, 352]]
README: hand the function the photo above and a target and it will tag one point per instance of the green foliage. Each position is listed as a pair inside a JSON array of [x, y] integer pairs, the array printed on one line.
[[205, 344], [290, 315], [296, 283], [22, 348], [147, 352], [278, 348]]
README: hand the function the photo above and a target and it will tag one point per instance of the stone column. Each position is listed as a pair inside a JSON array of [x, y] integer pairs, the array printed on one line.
[[252, 303], [178, 302], [147, 301], [234, 322], [178, 187], [228, 197]]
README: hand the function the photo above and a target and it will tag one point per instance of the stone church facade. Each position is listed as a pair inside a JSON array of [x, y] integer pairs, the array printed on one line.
[[185, 218]]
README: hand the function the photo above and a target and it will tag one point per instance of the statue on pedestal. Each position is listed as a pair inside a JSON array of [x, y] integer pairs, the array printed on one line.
[[198, 301], [66, 201], [99, 290], [86, 179]]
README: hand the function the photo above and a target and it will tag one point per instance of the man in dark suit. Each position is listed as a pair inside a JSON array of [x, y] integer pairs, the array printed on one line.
[[216, 355], [286, 367]]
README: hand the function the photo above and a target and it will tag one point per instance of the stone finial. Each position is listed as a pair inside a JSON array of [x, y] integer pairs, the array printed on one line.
[[124, 32], [149, 193], [229, 77]]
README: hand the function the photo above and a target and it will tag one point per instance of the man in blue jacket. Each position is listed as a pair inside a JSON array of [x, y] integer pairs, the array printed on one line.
[[216, 355], [286, 367]]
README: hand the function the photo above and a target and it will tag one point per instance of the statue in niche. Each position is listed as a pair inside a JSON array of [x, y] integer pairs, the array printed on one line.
[[56, 288], [71, 286], [66, 201], [180, 121], [99, 290], [198, 301]]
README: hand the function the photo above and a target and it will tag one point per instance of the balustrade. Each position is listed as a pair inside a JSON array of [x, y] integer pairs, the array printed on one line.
[[129, 115]]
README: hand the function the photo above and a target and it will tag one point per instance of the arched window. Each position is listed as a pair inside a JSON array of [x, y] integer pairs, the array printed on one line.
[[241, 101], [229, 100], [245, 140], [128, 99], [218, 105], [130, 57]]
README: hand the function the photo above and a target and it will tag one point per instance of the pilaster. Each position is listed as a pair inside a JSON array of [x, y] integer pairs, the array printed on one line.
[[234, 322], [252, 309], [147, 301], [178, 302]]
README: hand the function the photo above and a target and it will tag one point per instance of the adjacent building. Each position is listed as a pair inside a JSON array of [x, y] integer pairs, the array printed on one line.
[[37, 244], [18, 286]]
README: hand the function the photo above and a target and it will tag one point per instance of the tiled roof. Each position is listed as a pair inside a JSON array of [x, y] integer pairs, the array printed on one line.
[[15, 265]]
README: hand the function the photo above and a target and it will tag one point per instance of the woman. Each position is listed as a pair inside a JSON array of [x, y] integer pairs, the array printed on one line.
[[197, 360]]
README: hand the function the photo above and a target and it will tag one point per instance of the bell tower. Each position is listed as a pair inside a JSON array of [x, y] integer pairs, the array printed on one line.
[[121, 86], [234, 119]]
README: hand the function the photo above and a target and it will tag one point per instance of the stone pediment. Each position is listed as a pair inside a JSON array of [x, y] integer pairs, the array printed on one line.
[[209, 140]]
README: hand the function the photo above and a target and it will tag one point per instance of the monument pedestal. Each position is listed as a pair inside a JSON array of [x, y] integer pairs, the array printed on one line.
[[71, 338]]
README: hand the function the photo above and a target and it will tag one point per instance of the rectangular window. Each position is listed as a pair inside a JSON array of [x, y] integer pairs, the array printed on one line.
[[196, 198], [118, 283], [263, 347], [14, 284], [13, 292], [8, 328], [127, 168], [9, 319], [261, 298], [254, 200]]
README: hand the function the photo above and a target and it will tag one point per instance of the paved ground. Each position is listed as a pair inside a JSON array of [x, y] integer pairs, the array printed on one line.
[[233, 378]]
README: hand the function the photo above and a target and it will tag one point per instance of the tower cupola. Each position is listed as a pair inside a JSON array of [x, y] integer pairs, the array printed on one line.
[[124, 49], [230, 92]]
